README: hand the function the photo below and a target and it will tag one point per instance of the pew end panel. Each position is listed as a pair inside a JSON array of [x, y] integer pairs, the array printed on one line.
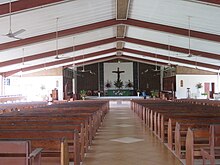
[[19, 152]]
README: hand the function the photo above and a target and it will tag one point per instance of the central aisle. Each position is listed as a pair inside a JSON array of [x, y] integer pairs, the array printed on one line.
[[124, 140]]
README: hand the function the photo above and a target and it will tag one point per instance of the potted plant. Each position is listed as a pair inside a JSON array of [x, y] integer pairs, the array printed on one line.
[[199, 85], [205, 95], [83, 94]]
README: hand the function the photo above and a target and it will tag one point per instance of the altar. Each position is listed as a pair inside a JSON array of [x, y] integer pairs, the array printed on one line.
[[122, 86], [119, 92]]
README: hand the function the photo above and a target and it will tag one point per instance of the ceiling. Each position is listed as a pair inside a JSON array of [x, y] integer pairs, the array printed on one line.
[[89, 31]]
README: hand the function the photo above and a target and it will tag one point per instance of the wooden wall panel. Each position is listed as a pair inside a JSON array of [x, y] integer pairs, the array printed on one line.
[[87, 81], [148, 78]]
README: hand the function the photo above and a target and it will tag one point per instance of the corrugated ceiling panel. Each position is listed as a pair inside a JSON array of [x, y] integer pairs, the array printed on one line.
[[51, 59], [176, 40], [70, 14], [204, 18], [79, 39], [171, 54]]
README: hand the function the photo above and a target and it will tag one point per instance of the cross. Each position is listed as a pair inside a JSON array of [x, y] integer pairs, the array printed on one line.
[[118, 72]]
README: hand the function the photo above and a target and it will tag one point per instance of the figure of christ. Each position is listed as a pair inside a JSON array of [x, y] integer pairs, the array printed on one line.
[[118, 72]]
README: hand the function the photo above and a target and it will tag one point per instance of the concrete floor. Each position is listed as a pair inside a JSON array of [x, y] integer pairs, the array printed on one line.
[[124, 140]]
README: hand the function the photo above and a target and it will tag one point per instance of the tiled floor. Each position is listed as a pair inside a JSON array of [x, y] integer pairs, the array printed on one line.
[[123, 140]]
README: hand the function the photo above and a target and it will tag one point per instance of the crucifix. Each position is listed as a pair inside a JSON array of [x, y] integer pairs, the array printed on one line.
[[118, 72]]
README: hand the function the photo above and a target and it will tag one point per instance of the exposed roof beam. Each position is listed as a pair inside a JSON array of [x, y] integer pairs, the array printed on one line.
[[112, 22], [121, 31], [34, 67], [122, 7], [61, 33], [126, 57], [96, 61], [215, 3], [126, 50], [24, 5], [119, 45], [172, 48], [211, 1], [60, 51], [122, 10], [173, 59], [171, 29]]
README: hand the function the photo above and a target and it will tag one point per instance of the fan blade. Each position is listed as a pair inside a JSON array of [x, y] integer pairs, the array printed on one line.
[[190, 55], [18, 32], [16, 38], [60, 57], [57, 58], [12, 36]]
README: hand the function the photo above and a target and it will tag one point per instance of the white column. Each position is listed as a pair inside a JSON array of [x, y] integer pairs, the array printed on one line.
[[2, 92], [218, 84], [161, 77]]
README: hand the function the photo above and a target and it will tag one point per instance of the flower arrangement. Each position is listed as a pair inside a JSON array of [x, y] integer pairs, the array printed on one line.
[[199, 85], [129, 84], [108, 84], [118, 84]]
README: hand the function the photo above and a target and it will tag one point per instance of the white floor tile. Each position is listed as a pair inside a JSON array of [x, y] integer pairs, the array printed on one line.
[[127, 140]]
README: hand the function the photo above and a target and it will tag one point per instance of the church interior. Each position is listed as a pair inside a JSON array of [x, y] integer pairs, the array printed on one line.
[[109, 82]]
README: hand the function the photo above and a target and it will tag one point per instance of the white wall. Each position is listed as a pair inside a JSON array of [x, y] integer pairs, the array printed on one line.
[[190, 81], [124, 66], [31, 86]]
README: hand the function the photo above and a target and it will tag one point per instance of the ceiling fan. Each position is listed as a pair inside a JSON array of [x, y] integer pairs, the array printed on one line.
[[156, 65], [86, 71], [57, 57], [189, 40], [11, 34], [189, 33], [169, 65], [145, 71], [83, 68]]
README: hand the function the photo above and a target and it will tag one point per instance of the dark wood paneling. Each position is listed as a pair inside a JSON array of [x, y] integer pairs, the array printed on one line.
[[149, 79], [101, 73], [67, 83], [169, 83], [135, 75], [87, 81]]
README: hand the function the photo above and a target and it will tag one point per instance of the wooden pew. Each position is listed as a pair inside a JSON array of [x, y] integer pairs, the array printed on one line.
[[22, 106], [195, 139], [215, 103], [157, 114], [177, 136], [46, 139], [58, 114], [213, 151], [19, 153], [181, 132]]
